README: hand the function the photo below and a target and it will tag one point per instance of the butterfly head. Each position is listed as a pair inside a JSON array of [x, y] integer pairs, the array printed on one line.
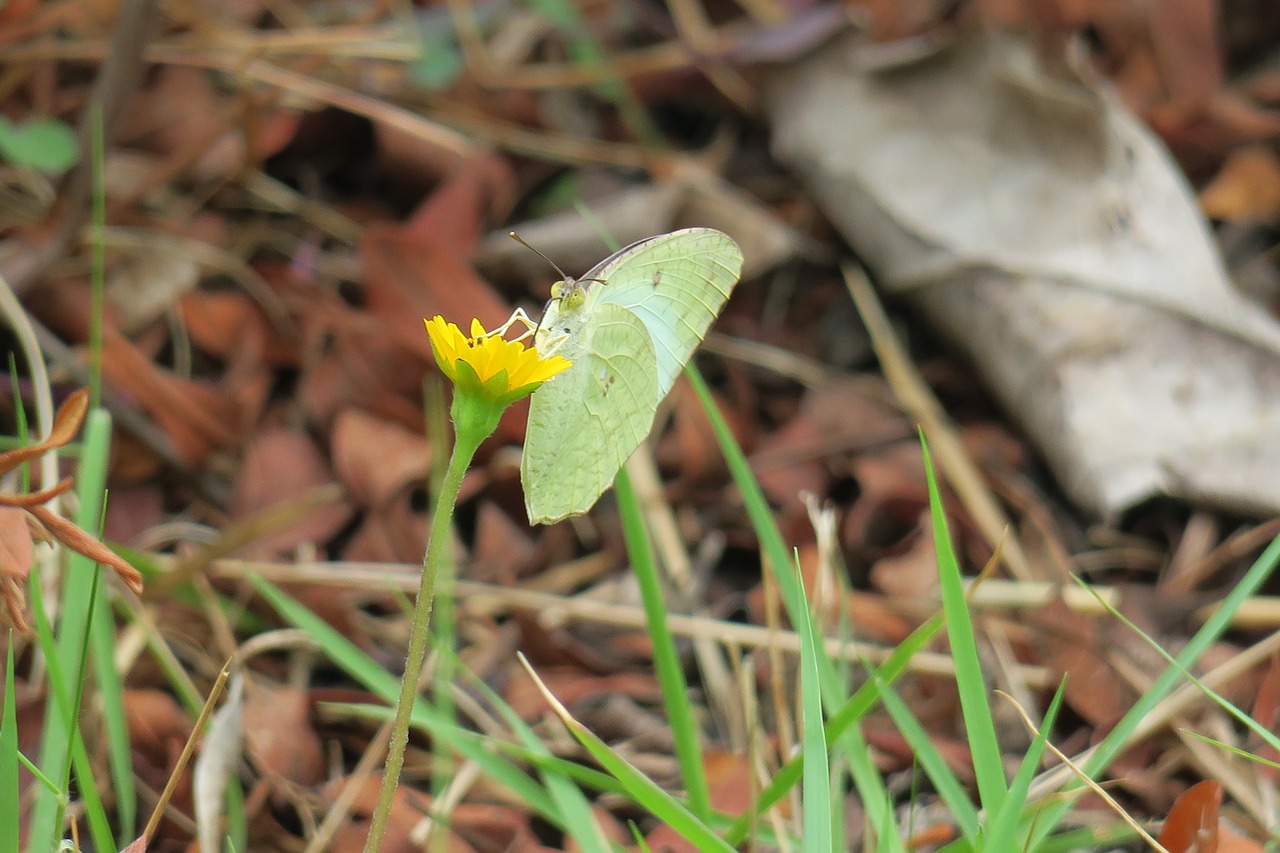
[[569, 293]]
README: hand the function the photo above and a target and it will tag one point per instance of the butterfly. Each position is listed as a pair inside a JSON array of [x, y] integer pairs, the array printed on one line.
[[629, 326]]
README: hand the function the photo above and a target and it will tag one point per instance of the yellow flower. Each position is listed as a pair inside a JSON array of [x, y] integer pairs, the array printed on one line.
[[487, 365]]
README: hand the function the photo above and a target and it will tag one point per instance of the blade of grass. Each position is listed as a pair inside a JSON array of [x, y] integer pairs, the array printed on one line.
[[945, 782], [65, 701], [1235, 750], [1002, 827], [980, 729], [9, 799], [575, 809], [816, 786], [876, 800], [1247, 721], [643, 790], [97, 275], [92, 487], [1118, 738], [666, 660], [368, 672], [772, 546], [847, 716]]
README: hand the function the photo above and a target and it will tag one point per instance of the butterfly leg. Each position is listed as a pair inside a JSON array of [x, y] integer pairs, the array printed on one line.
[[518, 317]]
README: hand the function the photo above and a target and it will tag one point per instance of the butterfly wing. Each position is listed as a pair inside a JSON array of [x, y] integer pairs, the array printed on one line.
[[585, 422], [676, 284]]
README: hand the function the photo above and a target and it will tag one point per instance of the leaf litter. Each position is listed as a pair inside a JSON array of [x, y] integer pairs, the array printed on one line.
[[286, 201]]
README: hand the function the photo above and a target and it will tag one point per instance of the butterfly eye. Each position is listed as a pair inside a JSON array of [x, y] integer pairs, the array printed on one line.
[[557, 290], [575, 298]]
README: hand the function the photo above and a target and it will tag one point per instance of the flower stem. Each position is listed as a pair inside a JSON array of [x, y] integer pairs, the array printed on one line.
[[437, 553]]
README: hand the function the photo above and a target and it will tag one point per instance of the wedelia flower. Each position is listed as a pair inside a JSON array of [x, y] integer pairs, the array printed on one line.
[[487, 365]]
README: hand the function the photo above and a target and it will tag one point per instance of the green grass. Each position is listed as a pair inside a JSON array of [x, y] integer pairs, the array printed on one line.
[[833, 760], [1002, 814]]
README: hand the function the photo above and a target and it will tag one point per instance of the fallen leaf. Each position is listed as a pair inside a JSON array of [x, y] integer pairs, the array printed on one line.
[[278, 733], [66, 423], [280, 465], [1246, 188], [377, 459], [1192, 825], [1076, 647]]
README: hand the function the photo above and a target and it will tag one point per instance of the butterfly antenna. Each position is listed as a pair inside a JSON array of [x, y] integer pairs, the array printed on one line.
[[514, 236]]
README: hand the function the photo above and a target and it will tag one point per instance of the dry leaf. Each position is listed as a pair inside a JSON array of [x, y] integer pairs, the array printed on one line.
[[1100, 315], [281, 465], [278, 733], [1192, 825], [1247, 188]]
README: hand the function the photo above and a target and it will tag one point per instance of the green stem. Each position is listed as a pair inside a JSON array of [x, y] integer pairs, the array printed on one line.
[[437, 553]]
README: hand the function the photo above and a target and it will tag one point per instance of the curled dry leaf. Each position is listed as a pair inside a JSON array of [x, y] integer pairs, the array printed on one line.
[[158, 729], [1076, 647], [1101, 316], [66, 423], [219, 757], [82, 543], [36, 498]]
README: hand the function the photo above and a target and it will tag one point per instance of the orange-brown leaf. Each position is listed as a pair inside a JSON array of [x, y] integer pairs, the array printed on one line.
[[36, 497], [15, 544], [1192, 826], [66, 423], [82, 543]]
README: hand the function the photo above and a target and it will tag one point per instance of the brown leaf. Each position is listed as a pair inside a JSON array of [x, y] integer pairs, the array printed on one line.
[[375, 458], [354, 364], [158, 729], [82, 543], [66, 423], [280, 465], [15, 544], [454, 216], [279, 735], [840, 416], [220, 322], [197, 417], [1076, 647], [1246, 188], [1192, 825], [1184, 35], [1266, 710], [504, 551], [495, 827], [910, 574], [573, 686], [407, 280], [421, 269], [182, 112], [34, 498], [132, 510]]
